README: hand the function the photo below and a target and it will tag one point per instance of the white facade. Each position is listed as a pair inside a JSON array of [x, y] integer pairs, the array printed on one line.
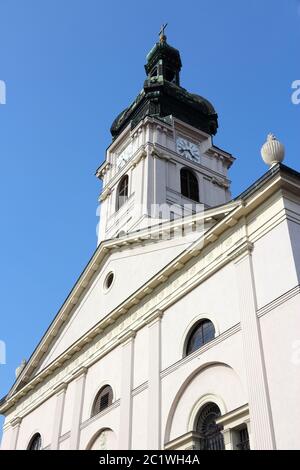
[[238, 267]]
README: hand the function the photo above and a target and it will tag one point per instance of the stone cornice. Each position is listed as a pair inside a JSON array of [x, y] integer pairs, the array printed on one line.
[[166, 288], [182, 440], [16, 421], [238, 413], [279, 301], [104, 195], [102, 170]]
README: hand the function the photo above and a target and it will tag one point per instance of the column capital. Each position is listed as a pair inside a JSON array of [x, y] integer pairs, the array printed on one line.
[[16, 421], [62, 387], [126, 337], [154, 317], [80, 372], [239, 252]]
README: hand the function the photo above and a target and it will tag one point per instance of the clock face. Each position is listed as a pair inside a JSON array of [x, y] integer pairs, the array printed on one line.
[[124, 156], [188, 150]]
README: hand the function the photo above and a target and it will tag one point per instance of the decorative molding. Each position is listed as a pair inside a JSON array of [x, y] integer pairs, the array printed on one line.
[[103, 169], [107, 192], [278, 301], [229, 419], [177, 283], [190, 439], [209, 397], [62, 387], [153, 317], [240, 250], [126, 336], [94, 418], [222, 337], [16, 421], [140, 388], [139, 156], [78, 373], [65, 436]]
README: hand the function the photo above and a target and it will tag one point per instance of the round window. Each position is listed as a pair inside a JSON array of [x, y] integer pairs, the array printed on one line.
[[109, 280]]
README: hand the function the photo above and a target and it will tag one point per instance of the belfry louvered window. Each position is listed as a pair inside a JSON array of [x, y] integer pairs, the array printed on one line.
[[189, 184], [103, 399], [122, 192]]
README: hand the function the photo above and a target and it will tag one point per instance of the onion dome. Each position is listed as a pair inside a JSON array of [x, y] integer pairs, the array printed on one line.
[[162, 95]]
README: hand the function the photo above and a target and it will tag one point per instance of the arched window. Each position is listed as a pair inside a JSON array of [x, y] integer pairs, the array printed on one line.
[[122, 192], [103, 399], [189, 184], [35, 442], [201, 333], [211, 437]]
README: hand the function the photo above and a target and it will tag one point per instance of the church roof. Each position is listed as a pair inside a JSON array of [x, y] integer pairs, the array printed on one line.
[[163, 96]]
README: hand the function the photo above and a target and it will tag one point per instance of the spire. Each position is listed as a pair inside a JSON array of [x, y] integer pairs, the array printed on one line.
[[162, 95], [163, 61], [162, 36]]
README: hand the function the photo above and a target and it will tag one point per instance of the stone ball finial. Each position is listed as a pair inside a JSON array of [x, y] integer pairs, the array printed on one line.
[[272, 151], [20, 368]]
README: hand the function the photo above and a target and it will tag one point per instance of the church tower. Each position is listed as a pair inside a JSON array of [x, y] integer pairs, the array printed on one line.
[[162, 163]]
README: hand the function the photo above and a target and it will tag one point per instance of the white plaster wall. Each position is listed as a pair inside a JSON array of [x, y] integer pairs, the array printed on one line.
[[6, 438], [141, 357], [68, 407], [65, 444], [105, 371], [216, 380], [139, 420], [109, 420], [39, 420], [281, 344], [221, 309], [132, 268], [106, 440], [218, 370], [273, 264]]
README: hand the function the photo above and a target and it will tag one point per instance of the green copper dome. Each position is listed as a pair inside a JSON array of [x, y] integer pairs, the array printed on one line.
[[163, 96]]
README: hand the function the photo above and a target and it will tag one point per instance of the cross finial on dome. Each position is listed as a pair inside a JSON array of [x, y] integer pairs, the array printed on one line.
[[162, 36]]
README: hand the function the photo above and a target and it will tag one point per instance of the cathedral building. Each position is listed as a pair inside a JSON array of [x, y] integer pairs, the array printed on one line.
[[182, 332]]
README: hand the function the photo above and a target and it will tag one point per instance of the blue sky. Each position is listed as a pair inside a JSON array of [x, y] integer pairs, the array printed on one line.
[[70, 66]]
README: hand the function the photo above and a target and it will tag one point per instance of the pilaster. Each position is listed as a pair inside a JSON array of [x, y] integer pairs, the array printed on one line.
[[262, 434], [79, 377], [154, 384], [58, 417], [16, 424], [126, 341]]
